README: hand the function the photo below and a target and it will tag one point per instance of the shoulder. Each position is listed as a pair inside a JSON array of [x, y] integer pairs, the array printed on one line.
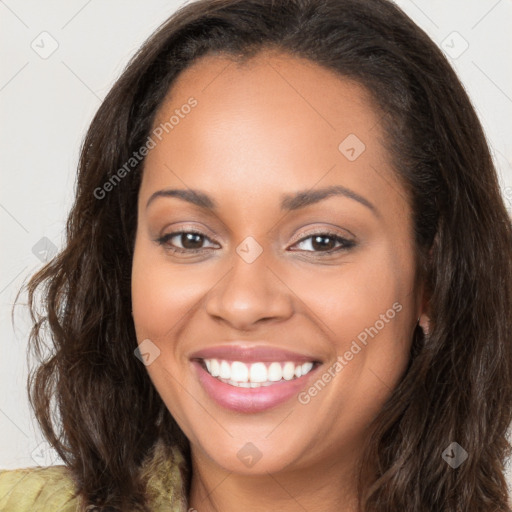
[[37, 489]]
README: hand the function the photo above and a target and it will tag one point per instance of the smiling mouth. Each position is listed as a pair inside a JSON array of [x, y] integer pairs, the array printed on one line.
[[252, 377], [256, 374]]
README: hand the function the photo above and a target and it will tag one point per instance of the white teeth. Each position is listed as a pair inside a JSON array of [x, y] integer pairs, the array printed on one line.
[[215, 367], [275, 372], [288, 371], [225, 370], [239, 372], [246, 384], [257, 374], [306, 368]]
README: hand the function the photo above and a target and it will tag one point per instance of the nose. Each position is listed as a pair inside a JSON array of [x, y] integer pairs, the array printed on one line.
[[249, 294]]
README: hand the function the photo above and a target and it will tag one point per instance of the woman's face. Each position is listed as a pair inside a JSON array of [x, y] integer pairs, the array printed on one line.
[[295, 273]]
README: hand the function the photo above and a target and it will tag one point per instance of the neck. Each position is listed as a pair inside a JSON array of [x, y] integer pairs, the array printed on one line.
[[326, 487]]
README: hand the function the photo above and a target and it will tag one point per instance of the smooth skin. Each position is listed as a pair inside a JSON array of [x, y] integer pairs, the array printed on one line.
[[260, 131]]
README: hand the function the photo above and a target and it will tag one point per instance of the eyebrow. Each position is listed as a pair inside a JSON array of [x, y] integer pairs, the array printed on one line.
[[289, 202]]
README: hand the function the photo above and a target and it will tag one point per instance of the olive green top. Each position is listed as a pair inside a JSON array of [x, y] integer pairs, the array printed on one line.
[[52, 489]]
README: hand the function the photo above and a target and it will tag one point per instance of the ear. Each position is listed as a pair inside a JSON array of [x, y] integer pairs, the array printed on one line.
[[424, 323], [424, 313]]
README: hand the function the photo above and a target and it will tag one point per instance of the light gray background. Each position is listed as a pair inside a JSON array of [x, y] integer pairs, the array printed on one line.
[[47, 102]]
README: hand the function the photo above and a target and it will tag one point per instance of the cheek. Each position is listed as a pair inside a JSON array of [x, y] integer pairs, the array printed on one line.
[[352, 297], [365, 309], [162, 294], [161, 302]]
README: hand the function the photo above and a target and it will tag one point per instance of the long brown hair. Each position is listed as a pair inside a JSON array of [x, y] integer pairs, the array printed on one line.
[[458, 386]]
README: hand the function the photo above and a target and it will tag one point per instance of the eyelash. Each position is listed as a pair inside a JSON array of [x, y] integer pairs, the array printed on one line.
[[164, 241]]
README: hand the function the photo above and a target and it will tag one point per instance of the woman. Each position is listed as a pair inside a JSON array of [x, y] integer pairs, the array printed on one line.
[[287, 282]]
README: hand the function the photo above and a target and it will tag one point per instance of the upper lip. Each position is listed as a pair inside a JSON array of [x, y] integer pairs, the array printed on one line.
[[251, 354]]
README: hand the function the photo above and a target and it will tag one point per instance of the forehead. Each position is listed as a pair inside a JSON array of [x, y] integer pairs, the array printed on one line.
[[273, 122]]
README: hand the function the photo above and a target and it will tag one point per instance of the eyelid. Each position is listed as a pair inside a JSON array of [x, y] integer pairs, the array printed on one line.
[[187, 228], [345, 243], [176, 232], [322, 230]]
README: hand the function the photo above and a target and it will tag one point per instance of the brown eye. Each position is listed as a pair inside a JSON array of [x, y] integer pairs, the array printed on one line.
[[184, 241], [191, 240], [326, 243], [320, 242]]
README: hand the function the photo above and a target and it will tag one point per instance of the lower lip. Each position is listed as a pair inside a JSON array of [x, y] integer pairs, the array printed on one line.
[[250, 399]]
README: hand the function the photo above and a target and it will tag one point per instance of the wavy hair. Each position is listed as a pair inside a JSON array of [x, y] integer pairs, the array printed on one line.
[[458, 384]]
